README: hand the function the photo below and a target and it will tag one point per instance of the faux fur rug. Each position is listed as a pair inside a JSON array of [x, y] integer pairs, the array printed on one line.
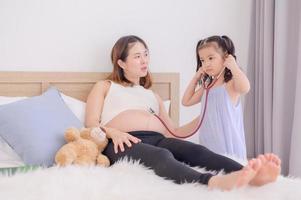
[[127, 180]]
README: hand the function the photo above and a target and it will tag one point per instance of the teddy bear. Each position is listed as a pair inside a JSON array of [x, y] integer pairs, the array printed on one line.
[[83, 147]]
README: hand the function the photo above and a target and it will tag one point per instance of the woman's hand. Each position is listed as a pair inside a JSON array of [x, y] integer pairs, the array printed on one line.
[[120, 138]]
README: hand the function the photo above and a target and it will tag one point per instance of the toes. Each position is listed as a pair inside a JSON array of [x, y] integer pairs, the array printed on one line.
[[251, 162], [273, 158], [268, 156], [257, 164], [277, 160], [262, 158]]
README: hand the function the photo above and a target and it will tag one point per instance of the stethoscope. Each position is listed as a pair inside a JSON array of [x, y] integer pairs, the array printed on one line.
[[207, 85]]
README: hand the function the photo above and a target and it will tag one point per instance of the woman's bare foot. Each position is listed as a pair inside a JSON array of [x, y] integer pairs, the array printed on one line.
[[236, 179], [269, 171]]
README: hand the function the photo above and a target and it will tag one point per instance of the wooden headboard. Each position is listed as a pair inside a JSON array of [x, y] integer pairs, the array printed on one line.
[[78, 85]]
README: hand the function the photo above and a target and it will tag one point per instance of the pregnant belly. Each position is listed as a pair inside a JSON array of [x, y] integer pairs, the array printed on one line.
[[136, 120]]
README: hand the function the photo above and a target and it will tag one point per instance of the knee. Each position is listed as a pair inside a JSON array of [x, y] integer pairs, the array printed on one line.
[[161, 159], [199, 150], [163, 154]]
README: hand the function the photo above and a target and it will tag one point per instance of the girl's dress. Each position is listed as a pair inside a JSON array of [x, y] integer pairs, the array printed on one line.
[[222, 130]]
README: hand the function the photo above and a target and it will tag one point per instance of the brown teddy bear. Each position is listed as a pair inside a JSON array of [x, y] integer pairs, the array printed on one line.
[[84, 148]]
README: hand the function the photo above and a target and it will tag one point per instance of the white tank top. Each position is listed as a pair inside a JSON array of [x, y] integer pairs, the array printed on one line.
[[121, 98]]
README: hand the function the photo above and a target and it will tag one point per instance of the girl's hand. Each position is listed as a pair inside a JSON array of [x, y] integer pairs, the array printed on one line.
[[199, 74], [120, 138], [230, 62]]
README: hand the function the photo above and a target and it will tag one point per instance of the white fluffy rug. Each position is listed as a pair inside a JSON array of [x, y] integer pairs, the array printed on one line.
[[126, 180]]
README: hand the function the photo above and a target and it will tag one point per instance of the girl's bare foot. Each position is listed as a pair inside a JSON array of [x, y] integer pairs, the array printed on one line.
[[236, 179], [269, 171]]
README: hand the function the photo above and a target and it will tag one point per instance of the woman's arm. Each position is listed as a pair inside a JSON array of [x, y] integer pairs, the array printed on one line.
[[95, 102], [179, 131], [191, 95]]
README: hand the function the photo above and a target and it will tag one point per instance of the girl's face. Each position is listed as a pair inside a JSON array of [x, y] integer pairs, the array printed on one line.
[[136, 64], [212, 60]]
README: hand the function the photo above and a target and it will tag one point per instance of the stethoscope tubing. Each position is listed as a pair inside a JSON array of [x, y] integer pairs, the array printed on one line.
[[207, 89]]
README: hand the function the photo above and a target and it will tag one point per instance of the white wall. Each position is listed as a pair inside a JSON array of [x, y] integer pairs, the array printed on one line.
[[77, 35]]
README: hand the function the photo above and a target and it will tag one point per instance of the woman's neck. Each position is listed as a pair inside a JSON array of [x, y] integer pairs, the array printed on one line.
[[134, 80]]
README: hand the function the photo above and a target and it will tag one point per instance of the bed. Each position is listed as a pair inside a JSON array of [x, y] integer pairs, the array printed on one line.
[[124, 180]]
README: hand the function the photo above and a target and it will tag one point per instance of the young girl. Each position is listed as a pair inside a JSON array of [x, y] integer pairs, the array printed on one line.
[[222, 130]]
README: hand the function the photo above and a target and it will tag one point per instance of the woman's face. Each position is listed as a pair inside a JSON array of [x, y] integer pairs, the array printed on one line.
[[212, 60], [136, 64]]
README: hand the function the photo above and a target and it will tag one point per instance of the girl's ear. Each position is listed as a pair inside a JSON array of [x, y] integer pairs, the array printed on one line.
[[121, 63], [226, 54]]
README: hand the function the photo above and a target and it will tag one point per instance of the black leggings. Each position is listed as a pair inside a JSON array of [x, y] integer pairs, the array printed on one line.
[[167, 155]]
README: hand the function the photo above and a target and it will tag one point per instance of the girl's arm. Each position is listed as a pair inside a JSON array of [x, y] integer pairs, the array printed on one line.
[[240, 83], [180, 131], [191, 95], [94, 108]]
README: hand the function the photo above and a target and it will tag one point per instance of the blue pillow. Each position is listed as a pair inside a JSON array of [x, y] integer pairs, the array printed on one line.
[[35, 127]]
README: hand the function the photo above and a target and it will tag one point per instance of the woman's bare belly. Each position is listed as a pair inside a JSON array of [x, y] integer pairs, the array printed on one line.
[[136, 120]]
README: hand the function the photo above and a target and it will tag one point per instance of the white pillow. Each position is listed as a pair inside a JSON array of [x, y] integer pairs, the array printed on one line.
[[8, 157], [6, 100], [167, 105], [76, 106]]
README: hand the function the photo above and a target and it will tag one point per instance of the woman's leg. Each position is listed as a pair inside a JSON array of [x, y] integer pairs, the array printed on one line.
[[165, 165], [258, 171], [160, 160], [198, 155]]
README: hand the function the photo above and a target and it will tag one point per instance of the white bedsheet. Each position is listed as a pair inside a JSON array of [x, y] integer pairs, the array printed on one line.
[[131, 181]]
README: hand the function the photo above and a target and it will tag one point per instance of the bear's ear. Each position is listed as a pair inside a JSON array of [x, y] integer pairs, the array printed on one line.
[[85, 133], [72, 134]]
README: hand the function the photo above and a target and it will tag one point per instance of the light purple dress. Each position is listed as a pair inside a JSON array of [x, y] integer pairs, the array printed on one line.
[[222, 130]]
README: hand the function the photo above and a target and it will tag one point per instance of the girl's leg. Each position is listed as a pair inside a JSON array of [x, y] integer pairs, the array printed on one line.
[[160, 160], [198, 155]]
